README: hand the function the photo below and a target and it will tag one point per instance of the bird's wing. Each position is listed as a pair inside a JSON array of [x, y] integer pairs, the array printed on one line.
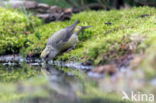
[[60, 37]]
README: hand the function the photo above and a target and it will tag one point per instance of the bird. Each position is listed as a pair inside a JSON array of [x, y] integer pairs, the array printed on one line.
[[62, 40]]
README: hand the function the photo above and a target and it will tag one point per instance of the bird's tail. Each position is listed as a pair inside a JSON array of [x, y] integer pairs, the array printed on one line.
[[76, 22], [72, 27]]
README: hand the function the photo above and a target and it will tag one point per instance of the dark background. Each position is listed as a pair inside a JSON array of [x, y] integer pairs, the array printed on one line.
[[107, 4]]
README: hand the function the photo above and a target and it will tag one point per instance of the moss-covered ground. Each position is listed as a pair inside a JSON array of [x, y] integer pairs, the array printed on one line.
[[105, 41], [14, 28], [27, 35]]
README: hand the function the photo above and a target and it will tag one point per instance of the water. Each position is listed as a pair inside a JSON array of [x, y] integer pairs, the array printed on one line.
[[34, 81], [47, 84]]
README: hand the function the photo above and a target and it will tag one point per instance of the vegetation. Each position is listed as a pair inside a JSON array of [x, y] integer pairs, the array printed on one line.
[[110, 31], [101, 43], [14, 28]]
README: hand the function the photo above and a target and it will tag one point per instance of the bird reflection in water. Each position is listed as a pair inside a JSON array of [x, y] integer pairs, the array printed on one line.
[[65, 86]]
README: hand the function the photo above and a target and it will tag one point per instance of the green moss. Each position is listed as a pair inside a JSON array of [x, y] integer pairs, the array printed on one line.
[[102, 38], [15, 26], [21, 33]]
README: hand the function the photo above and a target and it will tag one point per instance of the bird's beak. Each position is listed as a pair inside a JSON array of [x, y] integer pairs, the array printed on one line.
[[44, 53], [85, 27]]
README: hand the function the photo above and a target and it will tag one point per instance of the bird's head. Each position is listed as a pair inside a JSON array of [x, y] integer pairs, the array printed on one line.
[[49, 53]]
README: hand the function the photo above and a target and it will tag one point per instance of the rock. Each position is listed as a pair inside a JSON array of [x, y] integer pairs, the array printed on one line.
[[88, 63], [53, 17], [68, 10], [49, 17], [30, 4], [55, 9], [43, 11], [43, 16], [43, 6]]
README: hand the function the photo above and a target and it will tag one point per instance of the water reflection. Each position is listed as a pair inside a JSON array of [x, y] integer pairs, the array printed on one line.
[[63, 84], [17, 73], [52, 84], [65, 87]]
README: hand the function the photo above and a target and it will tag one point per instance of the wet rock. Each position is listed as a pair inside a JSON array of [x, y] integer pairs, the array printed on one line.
[[10, 58], [110, 69], [95, 75], [87, 63]]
